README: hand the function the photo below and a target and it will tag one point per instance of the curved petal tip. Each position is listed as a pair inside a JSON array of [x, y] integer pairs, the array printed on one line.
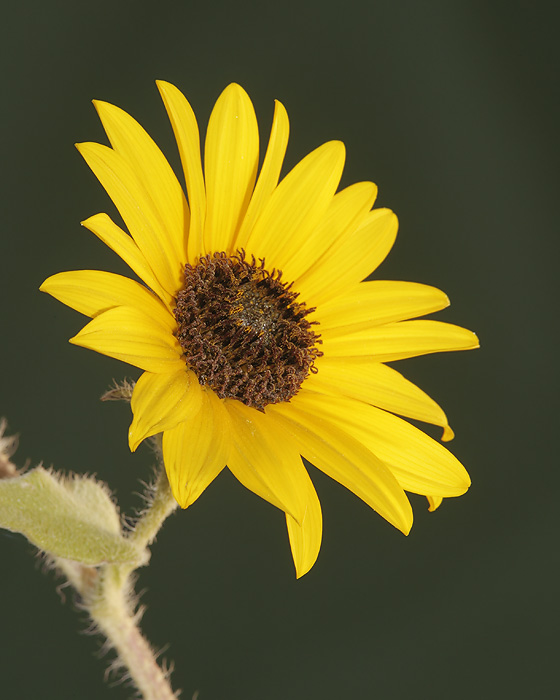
[[448, 434]]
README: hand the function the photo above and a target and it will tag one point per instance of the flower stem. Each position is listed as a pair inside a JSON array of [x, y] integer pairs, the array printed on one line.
[[112, 612], [110, 600], [162, 504]]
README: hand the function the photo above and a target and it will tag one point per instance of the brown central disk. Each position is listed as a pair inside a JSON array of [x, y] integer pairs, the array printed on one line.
[[242, 331]]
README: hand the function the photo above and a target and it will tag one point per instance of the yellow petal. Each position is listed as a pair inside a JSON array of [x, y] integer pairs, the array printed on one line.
[[124, 246], [270, 172], [231, 160], [343, 458], [434, 502], [378, 302], [138, 212], [396, 341], [153, 171], [346, 211], [196, 450], [305, 539], [419, 463], [130, 335], [161, 401], [92, 292], [365, 380], [350, 259], [186, 132], [265, 462], [297, 206]]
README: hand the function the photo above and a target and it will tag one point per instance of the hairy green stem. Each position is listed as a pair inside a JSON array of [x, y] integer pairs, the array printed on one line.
[[113, 613], [107, 594], [161, 505]]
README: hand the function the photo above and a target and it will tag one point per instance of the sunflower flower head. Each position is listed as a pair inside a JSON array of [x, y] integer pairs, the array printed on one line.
[[259, 339]]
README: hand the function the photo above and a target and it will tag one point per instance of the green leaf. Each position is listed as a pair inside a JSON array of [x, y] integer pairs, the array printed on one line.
[[70, 517]]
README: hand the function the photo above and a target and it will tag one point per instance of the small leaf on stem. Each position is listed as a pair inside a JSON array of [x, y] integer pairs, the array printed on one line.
[[70, 517]]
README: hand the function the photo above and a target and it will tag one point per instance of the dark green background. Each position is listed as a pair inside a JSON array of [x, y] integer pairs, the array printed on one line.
[[452, 109]]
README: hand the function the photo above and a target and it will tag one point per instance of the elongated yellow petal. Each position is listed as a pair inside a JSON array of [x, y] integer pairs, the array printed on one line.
[[344, 458], [419, 463], [396, 341], [297, 206], [152, 170], [186, 132], [305, 539], [125, 247], [161, 401], [270, 172], [92, 292], [346, 211], [365, 380], [350, 259], [377, 302], [231, 161], [264, 462], [196, 450], [130, 335], [138, 211]]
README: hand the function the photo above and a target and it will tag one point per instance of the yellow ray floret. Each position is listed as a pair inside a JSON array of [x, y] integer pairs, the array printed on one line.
[[196, 450]]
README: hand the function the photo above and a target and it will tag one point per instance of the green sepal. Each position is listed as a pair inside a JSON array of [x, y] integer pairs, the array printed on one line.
[[70, 517]]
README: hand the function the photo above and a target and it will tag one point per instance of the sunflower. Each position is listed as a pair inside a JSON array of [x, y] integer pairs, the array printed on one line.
[[260, 341]]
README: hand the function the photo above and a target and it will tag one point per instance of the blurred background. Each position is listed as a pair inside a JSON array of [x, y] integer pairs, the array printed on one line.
[[452, 109]]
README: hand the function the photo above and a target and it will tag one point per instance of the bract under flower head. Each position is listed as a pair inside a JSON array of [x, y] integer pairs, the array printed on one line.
[[259, 339]]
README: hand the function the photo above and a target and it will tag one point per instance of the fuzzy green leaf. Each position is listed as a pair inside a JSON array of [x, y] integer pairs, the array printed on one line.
[[70, 517]]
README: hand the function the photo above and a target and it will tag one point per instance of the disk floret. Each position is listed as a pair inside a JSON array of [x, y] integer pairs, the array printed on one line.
[[242, 331]]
